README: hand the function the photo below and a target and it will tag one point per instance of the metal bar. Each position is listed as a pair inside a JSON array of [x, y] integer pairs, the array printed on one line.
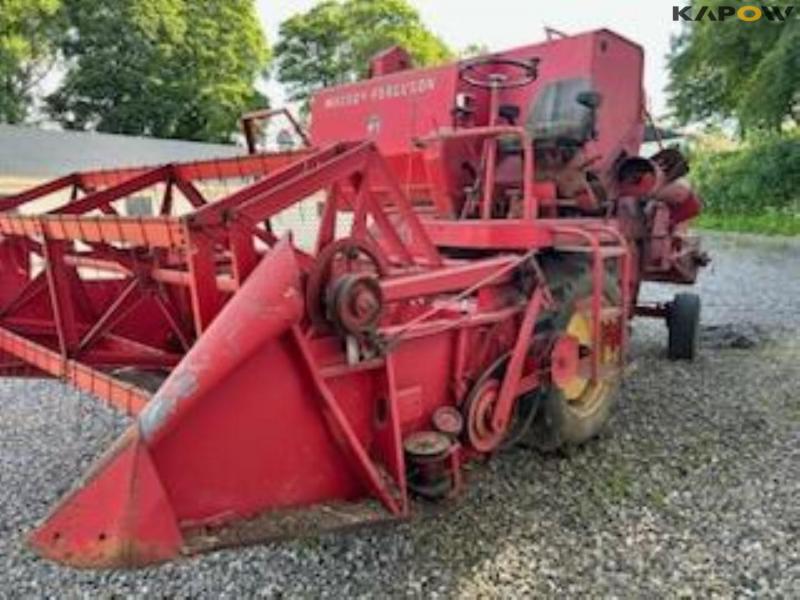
[[125, 397], [206, 300], [430, 327], [109, 210], [119, 343], [239, 166], [166, 201], [121, 190], [344, 433], [107, 252], [598, 287], [60, 297], [213, 213], [654, 311], [448, 279], [33, 326], [97, 264], [460, 364], [490, 165], [248, 121], [173, 320], [111, 318], [493, 235], [530, 202], [98, 357], [81, 298], [190, 192], [407, 212], [361, 204], [244, 257], [392, 237], [327, 226], [282, 196], [393, 436], [37, 192], [161, 232], [625, 285], [508, 390], [32, 289], [179, 278], [490, 278], [115, 348], [598, 291]]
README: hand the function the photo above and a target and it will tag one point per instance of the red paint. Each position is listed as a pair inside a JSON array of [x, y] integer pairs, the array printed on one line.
[[269, 403]]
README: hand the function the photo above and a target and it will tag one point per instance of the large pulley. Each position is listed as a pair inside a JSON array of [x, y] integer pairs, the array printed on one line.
[[479, 407], [343, 291]]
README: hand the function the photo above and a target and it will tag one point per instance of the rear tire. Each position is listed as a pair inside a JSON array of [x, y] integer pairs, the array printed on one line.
[[573, 420], [683, 324]]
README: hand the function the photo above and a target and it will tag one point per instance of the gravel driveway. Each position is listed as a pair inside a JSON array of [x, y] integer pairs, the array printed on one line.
[[694, 490]]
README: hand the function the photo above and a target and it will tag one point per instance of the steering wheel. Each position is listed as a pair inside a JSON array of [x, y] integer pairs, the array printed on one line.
[[475, 73]]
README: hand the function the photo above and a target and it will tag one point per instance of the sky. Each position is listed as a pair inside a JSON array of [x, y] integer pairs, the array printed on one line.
[[502, 24]]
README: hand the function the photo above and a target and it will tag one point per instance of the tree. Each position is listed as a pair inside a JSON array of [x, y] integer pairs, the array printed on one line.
[[27, 31], [333, 42], [167, 68], [312, 50], [747, 71]]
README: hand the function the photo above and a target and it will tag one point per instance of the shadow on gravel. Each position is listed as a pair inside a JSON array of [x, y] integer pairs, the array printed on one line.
[[738, 336]]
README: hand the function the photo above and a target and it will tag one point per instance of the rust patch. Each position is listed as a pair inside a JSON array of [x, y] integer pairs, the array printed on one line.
[[286, 524]]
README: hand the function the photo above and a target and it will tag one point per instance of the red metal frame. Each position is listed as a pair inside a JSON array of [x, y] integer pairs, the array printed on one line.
[[263, 408], [250, 126]]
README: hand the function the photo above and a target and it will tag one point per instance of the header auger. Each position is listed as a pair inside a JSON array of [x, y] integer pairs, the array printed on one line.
[[467, 284]]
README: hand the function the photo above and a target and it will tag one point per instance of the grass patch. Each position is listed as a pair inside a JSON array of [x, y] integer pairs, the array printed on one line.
[[765, 224]]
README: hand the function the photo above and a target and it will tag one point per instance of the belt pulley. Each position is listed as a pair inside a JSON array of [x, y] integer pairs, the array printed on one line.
[[343, 291]]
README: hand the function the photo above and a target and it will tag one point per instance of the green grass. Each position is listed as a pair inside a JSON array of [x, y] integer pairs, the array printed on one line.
[[766, 224]]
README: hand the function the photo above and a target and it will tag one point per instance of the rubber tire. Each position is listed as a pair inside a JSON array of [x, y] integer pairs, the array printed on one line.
[[556, 425], [683, 325]]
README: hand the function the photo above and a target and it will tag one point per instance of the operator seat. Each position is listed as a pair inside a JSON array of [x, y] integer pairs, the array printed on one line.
[[563, 114], [562, 118]]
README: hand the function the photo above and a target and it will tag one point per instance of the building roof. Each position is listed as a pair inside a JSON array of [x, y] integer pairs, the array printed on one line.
[[38, 153]]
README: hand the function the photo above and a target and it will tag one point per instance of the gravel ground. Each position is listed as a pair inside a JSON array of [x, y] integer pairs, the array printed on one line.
[[694, 490]]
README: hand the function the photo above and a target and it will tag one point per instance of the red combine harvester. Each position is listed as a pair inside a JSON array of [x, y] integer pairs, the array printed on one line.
[[482, 233]]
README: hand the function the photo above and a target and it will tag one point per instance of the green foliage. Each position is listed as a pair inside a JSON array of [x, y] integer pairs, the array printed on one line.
[[165, 68], [733, 69], [312, 50], [474, 51], [768, 224], [27, 31], [754, 188], [333, 42]]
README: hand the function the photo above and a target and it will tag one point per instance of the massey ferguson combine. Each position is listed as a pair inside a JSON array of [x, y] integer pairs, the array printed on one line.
[[480, 234]]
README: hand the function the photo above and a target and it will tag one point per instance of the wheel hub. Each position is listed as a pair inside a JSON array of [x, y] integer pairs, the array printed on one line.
[[570, 366], [480, 409]]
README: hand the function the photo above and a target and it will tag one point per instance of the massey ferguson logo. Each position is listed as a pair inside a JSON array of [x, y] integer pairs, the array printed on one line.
[[747, 13]]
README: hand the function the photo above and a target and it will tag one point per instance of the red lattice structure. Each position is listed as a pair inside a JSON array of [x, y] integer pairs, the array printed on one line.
[[462, 288]]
